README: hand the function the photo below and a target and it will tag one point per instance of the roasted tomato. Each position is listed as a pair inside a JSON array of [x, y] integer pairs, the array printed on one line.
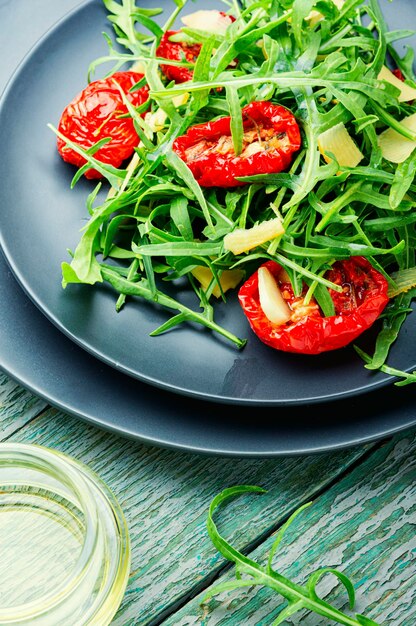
[[306, 330], [181, 51], [398, 74], [177, 51], [97, 112], [271, 137]]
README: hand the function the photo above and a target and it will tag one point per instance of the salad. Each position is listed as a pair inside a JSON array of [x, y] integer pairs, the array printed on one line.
[[266, 149]]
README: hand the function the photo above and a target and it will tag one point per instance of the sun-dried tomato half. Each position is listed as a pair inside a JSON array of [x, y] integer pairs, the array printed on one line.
[[357, 307], [96, 113], [271, 137], [181, 51]]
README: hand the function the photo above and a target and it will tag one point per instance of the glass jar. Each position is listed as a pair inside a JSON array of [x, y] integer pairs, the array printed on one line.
[[64, 542]]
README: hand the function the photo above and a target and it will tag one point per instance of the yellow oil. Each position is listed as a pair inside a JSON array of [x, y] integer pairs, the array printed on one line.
[[40, 542]]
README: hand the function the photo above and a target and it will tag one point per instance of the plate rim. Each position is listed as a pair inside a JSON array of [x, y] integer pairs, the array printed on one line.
[[78, 413]]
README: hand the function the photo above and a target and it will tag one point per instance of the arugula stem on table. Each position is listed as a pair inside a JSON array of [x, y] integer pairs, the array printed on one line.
[[250, 574]]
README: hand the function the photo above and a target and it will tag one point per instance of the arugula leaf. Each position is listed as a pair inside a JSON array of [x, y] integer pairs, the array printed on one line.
[[144, 290]]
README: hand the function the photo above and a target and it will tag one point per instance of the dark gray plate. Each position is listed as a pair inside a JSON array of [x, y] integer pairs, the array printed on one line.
[[41, 217]]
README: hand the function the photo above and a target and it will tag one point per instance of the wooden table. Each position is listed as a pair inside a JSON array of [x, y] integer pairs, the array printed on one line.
[[362, 521]]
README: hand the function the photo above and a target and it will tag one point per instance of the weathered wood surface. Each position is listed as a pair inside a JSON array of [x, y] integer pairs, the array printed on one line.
[[362, 521], [17, 406], [364, 525], [165, 496]]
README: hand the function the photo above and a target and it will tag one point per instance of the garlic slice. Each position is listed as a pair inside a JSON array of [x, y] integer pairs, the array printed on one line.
[[139, 67], [210, 21], [339, 142], [229, 279], [316, 16], [273, 305], [244, 239], [407, 93], [404, 279], [394, 147], [157, 120]]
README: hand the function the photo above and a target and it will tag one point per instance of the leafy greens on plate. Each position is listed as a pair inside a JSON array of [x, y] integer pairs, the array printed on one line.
[[346, 192]]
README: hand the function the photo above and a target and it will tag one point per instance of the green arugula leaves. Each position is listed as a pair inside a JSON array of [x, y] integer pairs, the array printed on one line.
[[158, 225]]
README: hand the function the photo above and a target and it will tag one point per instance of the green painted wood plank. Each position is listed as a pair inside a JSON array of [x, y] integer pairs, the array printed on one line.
[[17, 406], [365, 526], [165, 495]]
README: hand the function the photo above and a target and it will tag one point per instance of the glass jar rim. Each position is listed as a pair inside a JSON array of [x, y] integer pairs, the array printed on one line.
[[82, 485]]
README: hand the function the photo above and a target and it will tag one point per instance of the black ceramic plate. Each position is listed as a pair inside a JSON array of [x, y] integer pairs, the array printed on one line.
[[41, 217]]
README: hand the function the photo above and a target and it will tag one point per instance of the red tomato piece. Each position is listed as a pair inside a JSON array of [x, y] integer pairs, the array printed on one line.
[[180, 51], [177, 51], [95, 114], [271, 137], [398, 74], [362, 300]]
